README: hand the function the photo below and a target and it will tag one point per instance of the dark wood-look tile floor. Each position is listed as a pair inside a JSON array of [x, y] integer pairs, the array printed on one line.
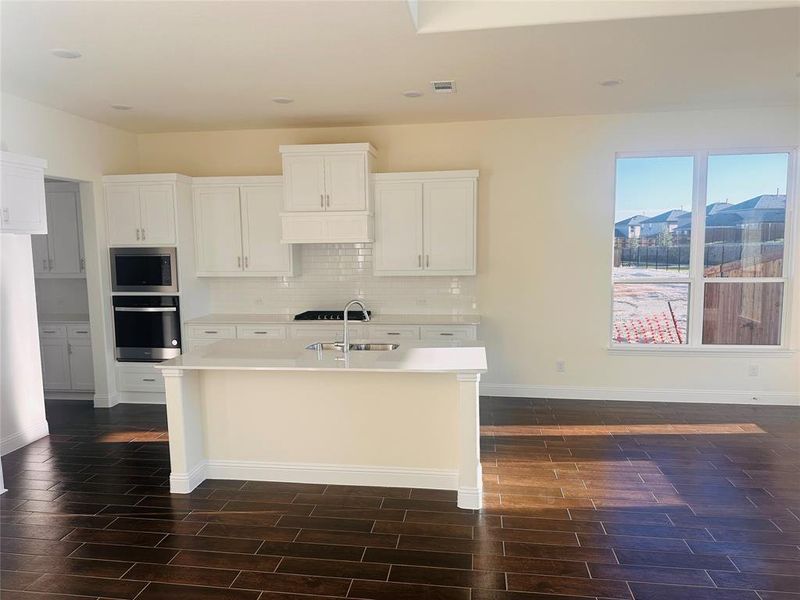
[[628, 501]]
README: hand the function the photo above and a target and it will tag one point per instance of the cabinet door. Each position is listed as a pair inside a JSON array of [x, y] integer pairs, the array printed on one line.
[[398, 227], [346, 182], [81, 371], [22, 205], [449, 227], [55, 364], [217, 230], [123, 215], [304, 178], [261, 231], [158, 214], [63, 236], [41, 254]]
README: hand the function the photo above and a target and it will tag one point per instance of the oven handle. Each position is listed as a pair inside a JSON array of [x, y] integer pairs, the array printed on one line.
[[145, 309]]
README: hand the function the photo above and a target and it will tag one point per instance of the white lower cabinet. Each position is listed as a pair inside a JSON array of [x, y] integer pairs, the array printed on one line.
[[139, 378], [55, 364], [66, 357], [199, 336]]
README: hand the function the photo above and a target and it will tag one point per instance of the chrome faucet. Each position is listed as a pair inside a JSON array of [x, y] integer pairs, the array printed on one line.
[[345, 336]]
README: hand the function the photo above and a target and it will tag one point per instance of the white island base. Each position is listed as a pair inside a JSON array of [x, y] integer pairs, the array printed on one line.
[[357, 424]]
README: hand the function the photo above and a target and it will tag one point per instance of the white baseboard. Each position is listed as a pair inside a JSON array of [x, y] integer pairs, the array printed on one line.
[[106, 400], [69, 395], [17, 440], [183, 483], [439, 479], [142, 398], [513, 390], [469, 497]]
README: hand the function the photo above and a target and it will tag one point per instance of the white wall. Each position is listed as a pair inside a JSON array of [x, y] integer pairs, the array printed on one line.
[[544, 183], [81, 150], [22, 418]]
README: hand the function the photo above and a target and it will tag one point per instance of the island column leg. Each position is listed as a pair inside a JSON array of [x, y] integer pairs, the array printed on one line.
[[470, 481], [187, 454]]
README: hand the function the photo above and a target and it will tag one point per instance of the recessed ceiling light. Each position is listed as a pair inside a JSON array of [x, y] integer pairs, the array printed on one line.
[[121, 106], [282, 100], [65, 53], [412, 94], [611, 82]]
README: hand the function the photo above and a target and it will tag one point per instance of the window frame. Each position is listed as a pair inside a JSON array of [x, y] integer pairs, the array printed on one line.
[[695, 278]]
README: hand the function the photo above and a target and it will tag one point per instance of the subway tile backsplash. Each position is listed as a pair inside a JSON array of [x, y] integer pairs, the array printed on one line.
[[330, 275]]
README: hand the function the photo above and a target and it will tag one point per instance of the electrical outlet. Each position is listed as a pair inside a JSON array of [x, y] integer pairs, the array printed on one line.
[[752, 370], [561, 366]]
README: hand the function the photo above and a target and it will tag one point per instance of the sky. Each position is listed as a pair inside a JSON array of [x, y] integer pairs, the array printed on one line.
[[651, 186]]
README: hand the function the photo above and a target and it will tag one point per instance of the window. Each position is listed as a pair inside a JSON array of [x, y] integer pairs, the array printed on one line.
[[700, 249]]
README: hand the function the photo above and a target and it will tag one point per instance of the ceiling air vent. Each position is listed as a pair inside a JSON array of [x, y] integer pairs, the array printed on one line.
[[444, 86]]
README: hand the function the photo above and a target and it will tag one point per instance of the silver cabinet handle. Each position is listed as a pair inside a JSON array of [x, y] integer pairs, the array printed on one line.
[[69, 348], [137, 234], [260, 332], [211, 332], [419, 260], [143, 236], [6, 216], [322, 201], [148, 379], [78, 331], [49, 264], [246, 262], [443, 333], [239, 261], [427, 260], [392, 333], [328, 198], [44, 264], [145, 309], [47, 331], [83, 264]]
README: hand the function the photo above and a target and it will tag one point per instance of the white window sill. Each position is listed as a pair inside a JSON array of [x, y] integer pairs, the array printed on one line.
[[727, 351]]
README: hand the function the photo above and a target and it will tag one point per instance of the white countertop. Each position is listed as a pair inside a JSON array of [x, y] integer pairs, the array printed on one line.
[[64, 318], [412, 356], [377, 319]]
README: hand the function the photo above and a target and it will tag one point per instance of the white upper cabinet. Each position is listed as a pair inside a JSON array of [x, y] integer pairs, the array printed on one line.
[[140, 213], [327, 193], [398, 227], [217, 229], [327, 177], [22, 200], [237, 228], [158, 214], [261, 231], [449, 227], [59, 253], [425, 223], [304, 182], [346, 181]]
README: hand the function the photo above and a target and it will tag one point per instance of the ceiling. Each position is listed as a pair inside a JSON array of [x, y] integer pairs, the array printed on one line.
[[216, 65]]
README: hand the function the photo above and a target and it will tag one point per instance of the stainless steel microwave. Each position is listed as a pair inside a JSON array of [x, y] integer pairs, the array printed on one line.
[[144, 270]]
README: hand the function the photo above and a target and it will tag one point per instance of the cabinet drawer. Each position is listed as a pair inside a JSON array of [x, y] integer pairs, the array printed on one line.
[[391, 332], [457, 332], [253, 332], [52, 331], [139, 379], [195, 345], [78, 332], [326, 333], [218, 332]]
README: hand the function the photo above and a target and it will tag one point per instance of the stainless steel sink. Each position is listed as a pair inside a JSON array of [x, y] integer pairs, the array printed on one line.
[[353, 347]]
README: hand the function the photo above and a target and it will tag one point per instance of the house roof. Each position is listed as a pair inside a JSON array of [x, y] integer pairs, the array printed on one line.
[[762, 202], [669, 216], [634, 220]]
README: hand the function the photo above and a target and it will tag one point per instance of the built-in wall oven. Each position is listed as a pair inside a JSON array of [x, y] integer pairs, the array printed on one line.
[[147, 328], [144, 270]]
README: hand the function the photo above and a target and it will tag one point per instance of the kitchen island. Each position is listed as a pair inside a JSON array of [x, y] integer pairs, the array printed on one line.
[[273, 410]]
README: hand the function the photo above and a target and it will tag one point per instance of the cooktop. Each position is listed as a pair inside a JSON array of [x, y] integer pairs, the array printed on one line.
[[330, 315]]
